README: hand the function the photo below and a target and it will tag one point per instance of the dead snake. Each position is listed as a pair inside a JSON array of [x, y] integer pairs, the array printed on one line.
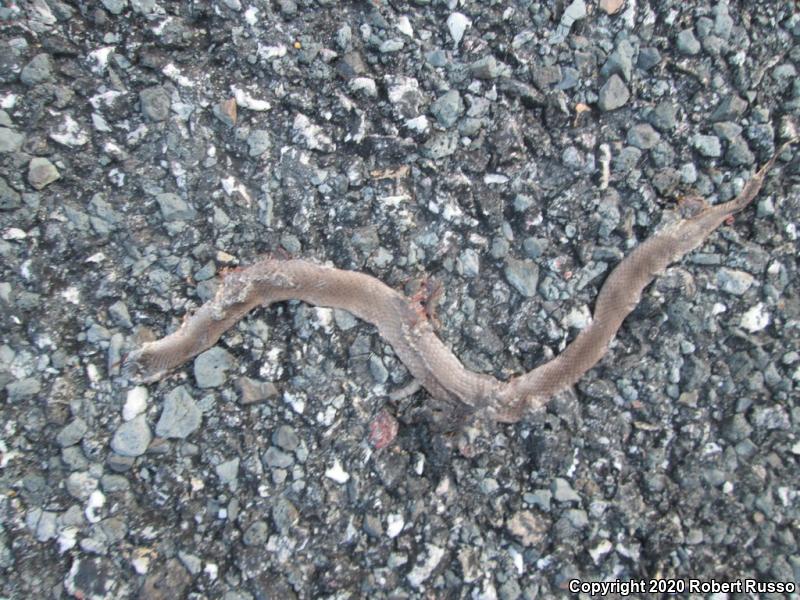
[[404, 325]]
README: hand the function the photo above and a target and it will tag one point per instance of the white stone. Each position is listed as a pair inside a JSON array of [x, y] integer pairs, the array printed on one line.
[[67, 538], [296, 401], [268, 52], [97, 500], [578, 318], [135, 403], [211, 570], [141, 561], [337, 473], [14, 233], [100, 58], [419, 124], [251, 16], [245, 100], [490, 178], [423, 570], [458, 24], [365, 85], [404, 26], [69, 133], [394, 525], [175, 75], [599, 551], [755, 319]]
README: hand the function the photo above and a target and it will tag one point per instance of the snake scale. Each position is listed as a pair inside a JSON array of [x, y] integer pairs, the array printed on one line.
[[402, 322]]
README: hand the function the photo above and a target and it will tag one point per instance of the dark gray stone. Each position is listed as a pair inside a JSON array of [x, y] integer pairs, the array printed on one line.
[[665, 180], [155, 103], [648, 58], [277, 459], [739, 154], [373, 526], [534, 247], [378, 370], [288, 7], [174, 208], [627, 159], [704, 26], [286, 438], [292, 244], [540, 499], [523, 275], [545, 76], [72, 432], [707, 145], [620, 61], [664, 116], [500, 247], [114, 483], [448, 108], [728, 131], [39, 70], [643, 136], [570, 78], [9, 197], [259, 142], [488, 67], [737, 428], [256, 534], [10, 59], [10, 140], [284, 514], [115, 7], [687, 43], [729, 109]]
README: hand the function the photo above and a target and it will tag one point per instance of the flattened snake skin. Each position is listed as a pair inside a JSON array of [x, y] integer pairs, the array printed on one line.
[[404, 325]]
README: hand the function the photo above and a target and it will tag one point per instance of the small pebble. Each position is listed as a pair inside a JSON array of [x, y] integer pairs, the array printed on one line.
[[523, 275], [211, 367], [132, 437], [687, 43], [613, 94], [180, 416], [41, 173]]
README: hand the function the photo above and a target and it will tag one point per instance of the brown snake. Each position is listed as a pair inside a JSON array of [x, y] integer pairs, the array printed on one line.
[[404, 325]]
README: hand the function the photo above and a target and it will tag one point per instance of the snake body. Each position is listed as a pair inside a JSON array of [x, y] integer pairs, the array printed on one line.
[[401, 321]]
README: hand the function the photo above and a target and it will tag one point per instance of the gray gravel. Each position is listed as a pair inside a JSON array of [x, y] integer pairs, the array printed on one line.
[[147, 147]]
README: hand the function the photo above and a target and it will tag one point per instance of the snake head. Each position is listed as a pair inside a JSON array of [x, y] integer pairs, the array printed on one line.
[[691, 206], [139, 367]]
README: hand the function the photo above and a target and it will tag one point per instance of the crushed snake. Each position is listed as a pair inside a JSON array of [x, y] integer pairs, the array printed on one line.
[[406, 326]]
